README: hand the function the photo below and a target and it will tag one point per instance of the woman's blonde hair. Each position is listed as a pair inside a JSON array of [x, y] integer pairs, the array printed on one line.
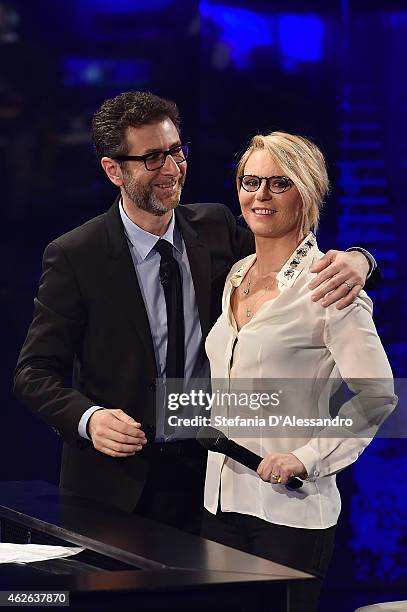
[[302, 162]]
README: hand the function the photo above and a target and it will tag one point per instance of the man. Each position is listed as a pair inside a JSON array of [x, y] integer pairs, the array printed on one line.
[[109, 302]]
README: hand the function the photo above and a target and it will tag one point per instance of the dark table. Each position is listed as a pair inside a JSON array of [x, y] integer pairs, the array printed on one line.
[[130, 560]]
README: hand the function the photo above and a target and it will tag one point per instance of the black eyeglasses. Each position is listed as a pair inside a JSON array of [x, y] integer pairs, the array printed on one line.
[[275, 184], [156, 160]]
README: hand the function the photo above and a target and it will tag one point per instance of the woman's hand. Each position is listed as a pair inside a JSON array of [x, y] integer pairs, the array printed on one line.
[[279, 468]]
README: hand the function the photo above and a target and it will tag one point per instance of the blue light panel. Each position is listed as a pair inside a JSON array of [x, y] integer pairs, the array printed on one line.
[[378, 512], [241, 30], [121, 6], [97, 72], [299, 38]]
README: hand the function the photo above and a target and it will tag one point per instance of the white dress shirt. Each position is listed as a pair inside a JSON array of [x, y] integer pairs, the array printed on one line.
[[289, 338]]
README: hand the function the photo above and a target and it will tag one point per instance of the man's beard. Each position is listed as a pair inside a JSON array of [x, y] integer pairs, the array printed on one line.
[[143, 197]]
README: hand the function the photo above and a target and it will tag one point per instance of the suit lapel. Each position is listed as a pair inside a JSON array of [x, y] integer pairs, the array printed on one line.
[[200, 264], [125, 284]]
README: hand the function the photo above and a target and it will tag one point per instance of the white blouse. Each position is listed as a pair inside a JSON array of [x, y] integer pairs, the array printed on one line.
[[291, 337]]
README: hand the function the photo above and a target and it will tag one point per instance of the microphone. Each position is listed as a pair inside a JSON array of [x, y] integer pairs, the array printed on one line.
[[215, 440]]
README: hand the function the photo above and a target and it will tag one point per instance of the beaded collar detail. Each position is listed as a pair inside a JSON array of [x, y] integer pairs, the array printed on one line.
[[291, 269]]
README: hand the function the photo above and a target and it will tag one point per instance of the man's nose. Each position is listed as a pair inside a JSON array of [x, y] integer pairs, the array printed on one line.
[[170, 166]]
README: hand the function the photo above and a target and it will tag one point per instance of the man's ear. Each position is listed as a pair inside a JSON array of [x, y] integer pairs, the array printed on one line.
[[113, 170]]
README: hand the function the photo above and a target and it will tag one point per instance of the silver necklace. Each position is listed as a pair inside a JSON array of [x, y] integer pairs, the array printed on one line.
[[250, 309], [249, 281]]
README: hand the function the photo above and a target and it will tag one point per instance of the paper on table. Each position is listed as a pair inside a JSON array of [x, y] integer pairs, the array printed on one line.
[[27, 553]]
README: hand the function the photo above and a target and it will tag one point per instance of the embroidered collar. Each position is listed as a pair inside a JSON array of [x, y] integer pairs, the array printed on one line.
[[291, 269]]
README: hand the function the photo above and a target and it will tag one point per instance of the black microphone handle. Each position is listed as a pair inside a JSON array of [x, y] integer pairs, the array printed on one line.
[[252, 461], [242, 455]]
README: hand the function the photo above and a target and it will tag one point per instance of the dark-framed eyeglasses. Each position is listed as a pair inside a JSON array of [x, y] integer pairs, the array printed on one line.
[[275, 184], [157, 159]]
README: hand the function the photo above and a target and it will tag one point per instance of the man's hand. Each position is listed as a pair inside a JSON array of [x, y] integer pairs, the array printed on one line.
[[341, 275], [115, 433], [279, 468]]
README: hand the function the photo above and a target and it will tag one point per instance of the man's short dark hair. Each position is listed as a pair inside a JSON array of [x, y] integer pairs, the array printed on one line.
[[130, 109]]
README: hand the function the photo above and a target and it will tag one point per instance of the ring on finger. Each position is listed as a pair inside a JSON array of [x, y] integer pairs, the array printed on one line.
[[276, 477], [348, 286]]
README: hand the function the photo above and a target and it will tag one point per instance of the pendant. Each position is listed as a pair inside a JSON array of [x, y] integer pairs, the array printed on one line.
[[246, 291], [248, 313]]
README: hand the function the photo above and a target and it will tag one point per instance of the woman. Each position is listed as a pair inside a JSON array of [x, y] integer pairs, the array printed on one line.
[[270, 327]]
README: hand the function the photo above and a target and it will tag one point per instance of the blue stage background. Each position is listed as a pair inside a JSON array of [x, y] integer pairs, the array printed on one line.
[[333, 71]]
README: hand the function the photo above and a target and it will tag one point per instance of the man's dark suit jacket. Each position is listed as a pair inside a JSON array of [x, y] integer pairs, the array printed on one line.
[[90, 320]]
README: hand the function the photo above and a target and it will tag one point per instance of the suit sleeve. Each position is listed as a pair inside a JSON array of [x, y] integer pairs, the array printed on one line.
[[374, 279], [242, 239], [43, 375], [375, 276], [361, 361]]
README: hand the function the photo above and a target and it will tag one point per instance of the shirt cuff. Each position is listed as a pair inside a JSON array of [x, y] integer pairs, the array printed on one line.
[[369, 257], [83, 423], [309, 458]]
